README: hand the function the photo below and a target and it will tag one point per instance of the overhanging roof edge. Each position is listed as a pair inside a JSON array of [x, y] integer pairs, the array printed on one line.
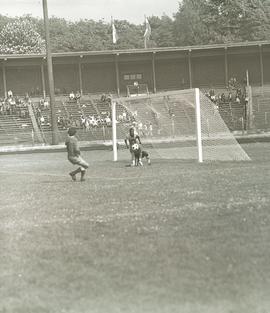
[[137, 51]]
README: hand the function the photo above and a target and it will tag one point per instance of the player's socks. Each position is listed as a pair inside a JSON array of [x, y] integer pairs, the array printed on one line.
[[73, 177], [82, 175], [140, 162], [73, 174], [149, 162]]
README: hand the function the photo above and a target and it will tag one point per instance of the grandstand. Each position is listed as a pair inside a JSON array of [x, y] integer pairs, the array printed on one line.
[[209, 67], [72, 113], [15, 129]]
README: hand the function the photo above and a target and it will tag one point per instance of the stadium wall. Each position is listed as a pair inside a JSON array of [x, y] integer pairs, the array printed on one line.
[[160, 68]]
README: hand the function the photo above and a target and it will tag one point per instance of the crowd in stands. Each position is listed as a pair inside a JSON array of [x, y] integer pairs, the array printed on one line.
[[91, 121], [144, 129], [233, 94], [74, 97], [14, 105], [232, 101]]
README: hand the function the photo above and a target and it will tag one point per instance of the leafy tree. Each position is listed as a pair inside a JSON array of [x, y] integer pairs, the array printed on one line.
[[162, 34], [196, 22], [189, 27], [221, 21], [255, 21], [130, 35], [20, 37]]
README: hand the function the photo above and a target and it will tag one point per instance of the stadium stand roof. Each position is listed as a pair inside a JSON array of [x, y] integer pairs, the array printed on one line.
[[139, 51]]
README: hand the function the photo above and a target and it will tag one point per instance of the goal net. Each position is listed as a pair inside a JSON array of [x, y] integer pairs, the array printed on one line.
[[137, 90], [182, 124]]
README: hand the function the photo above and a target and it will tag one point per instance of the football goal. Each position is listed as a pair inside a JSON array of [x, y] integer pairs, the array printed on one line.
[[182, 124], [137, 90]]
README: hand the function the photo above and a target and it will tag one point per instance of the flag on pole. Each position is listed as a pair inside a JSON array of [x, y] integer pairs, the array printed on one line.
[[114, 33], [147, 32]]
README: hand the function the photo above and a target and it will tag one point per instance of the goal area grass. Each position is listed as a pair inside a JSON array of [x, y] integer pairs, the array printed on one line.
[[176, 236]]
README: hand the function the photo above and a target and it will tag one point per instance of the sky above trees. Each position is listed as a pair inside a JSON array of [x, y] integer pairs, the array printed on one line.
[[131, 10], [194, 22]]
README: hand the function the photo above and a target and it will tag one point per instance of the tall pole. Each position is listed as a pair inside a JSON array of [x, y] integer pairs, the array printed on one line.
[[80, 77], [43, 81], [50, 74], [226, 66], [117, 74], [114, 134], [154, 72], [190, 69], [261, 65], [4, 80], [198, 125], [145, 43]]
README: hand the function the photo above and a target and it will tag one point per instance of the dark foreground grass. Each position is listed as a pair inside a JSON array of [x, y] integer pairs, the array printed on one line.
[[172, 237]]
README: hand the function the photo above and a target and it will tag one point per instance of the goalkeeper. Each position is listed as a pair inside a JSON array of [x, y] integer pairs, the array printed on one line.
[[130, 140], [133, 143]]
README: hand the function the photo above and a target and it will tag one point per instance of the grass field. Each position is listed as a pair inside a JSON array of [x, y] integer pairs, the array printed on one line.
[[172, 237]]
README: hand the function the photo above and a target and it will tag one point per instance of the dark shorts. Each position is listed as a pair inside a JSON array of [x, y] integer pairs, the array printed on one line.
[[78, 161], [141, 154], [145, 154]]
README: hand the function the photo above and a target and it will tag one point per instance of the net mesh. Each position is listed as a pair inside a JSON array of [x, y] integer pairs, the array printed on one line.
[[166, 123]]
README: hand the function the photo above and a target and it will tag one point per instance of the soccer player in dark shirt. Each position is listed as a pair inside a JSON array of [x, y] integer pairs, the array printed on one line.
[[130, 140], [74, 155]]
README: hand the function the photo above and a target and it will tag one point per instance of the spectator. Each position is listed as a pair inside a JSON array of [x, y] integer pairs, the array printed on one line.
[[78, 96], [71, 96], [150, 129], [108, 121], [140, 128], [42, 120], [46, 105], [103, 98], [10, 94], [145, 130]]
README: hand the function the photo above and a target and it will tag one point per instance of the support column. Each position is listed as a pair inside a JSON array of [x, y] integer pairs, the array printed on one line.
[[114, 131], [261, 65], [4, 80], [154, 72], [55, 135], [190, 69], [117, 74], [198, 125], [80, 76], [226, 66], [43, 80]]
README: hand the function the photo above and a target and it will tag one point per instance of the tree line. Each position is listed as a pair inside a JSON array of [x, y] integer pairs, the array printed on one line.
[[196, 22]]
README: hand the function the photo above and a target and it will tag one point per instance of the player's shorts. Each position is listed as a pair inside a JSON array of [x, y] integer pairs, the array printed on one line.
[[78, 161], [145, 154]]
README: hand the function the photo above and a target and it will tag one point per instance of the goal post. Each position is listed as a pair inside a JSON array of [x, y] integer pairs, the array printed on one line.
[[198, 124], [182, 124]]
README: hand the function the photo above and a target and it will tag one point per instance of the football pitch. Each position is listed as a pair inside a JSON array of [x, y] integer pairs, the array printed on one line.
[[176, 236]]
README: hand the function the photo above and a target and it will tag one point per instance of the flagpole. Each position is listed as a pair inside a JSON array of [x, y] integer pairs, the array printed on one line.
[[50, 74], [147, 32], [145, 40], [112, 31]]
